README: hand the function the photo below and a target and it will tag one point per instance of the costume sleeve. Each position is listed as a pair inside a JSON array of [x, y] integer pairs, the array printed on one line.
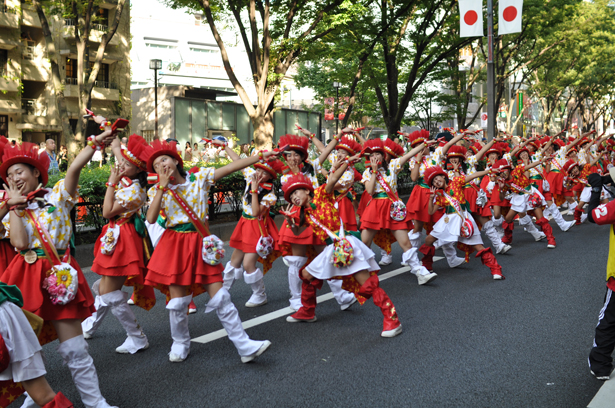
[[471, 161], [412, 163], [367, 174], [518, 171], [248, 173], [437, 155], [61, 197], [316, 164], [205, 176], [269, 200], [395, 166], [132, 197], [347, 179]]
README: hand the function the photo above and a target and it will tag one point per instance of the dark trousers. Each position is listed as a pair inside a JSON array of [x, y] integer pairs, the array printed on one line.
[[600, 356]]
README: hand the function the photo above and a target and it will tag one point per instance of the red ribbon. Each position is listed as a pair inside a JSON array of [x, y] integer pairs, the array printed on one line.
[[43, 236], [385, 186], [194, 219]]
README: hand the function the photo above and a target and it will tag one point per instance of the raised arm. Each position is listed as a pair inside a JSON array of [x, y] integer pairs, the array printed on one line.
[[337, 174], [519, 147], [404, 159], [451, 144], [416, 171], [327, 150], [576, 141], [230, 152], [486, 147], [242, 164], [116, 148]]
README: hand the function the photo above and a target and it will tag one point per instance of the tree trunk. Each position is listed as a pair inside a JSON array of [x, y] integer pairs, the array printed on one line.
[[263, 131]]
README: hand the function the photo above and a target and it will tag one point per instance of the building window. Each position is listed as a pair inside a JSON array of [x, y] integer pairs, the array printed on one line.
[[198, 19], [4, 125], [163, 46], [204, 50], [101, 20], [71, 68], [103, 72], [148, 135], [3, 61]]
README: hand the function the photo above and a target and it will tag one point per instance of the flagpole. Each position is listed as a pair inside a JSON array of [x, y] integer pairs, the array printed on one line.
[[491, 108]]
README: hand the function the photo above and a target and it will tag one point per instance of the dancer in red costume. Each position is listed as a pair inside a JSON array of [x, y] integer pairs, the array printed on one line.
[[298, 162], [555, 177], [457, 225], [386, 211], [179, 261], [346, 257], [254, 227], [7, 252], [40, 228], [119, 251], [21, 360]]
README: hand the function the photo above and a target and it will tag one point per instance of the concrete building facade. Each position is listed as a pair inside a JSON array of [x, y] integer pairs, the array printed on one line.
[[28, 108]]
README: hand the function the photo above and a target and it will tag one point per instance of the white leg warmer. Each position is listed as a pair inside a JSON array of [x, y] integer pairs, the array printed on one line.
[[231, 274], [451, 255], [342, 296], [295, 263], [255, 280], [415, 239], [136, 338], [411, 258], [92, 323], [178, 318]]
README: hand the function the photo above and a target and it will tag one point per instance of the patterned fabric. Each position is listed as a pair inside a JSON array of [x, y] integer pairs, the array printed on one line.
[[391, 178], [131, 198], [434, 159], [347, 179], [194, 191], [559, 160], [55, 218], [317, 167], [538, 170], [585, 171], [324, 211], [455, 190], [268, 200]]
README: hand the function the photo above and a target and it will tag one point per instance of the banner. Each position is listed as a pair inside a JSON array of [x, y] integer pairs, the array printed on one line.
[[471, 18], [509, 20]]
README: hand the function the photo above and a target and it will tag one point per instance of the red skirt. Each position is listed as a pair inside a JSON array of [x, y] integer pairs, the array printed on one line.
[[495, 198], [540, 185], [126, 260], [307, 237], [470, 194], [177, 260], [347, 214], [246, 234], [365, 198], [556, 182], [29, 279], [418, 205], [377, 216], [7, 253]]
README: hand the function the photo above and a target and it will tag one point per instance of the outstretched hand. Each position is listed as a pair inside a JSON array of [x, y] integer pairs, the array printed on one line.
[[15, 195]]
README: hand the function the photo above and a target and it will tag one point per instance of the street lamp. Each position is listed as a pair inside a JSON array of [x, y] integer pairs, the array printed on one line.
[[155, 64], [337, 86]]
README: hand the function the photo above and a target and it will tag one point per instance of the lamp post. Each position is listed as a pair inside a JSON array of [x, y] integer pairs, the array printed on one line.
[[337, 87], [155, 64]]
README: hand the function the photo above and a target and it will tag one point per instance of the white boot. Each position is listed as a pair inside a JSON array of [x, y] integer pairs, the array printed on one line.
[[74, 352], [528, 225], [494, 237], [229, 317], [571, 207], [497, 223], [415, 239], [231, 274], [583, 218], [411, 258], [344, 298], [295, 263], [385, 259], [136, 339], [178, 318], [92, 323], [557, 216], [451, 255], [255, 280]]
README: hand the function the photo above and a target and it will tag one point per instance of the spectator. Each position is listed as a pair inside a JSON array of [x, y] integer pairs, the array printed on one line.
[[49, 147], [244, 150], [196, 154], [63, 158], [188, 152], [124, 141]]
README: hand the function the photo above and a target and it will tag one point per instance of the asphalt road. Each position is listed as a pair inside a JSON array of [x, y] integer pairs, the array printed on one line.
[[468, 341]]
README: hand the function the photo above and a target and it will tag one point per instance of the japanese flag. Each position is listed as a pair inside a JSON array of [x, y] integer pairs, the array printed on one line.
[[471, 18], [510, 16]]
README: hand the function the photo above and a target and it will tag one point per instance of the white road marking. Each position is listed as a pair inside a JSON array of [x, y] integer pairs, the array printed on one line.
[[287, 310]]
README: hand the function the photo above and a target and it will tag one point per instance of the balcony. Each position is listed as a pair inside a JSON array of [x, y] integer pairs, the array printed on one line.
[[96, 33], [32, 108], [103, 90], [34, 71], [9, 17], [30, 17]]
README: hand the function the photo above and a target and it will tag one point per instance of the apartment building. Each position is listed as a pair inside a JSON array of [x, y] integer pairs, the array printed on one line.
[[28, 109]]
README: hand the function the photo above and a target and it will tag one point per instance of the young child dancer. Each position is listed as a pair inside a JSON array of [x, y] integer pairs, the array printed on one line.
[[177, 262], [255, 223], [457, 225], [345, 257], [118, 251], [385, 211], [298, 162], [41, 231]]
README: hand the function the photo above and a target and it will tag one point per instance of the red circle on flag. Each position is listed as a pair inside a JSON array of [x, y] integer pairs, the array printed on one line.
[[483, 116], [510, 13], [470, 18]]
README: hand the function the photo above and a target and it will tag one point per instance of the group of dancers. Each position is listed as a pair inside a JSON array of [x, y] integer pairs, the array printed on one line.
[[321, 239]]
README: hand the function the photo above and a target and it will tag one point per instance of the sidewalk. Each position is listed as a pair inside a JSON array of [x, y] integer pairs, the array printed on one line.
[[605, 398]]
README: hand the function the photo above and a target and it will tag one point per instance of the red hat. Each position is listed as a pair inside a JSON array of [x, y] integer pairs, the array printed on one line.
[[523, 149], [569, 165], [457, 151], [535, 144], [161, 148], [134, 152], [475, 147], [295, 182], [373, 146], [393, 148], [273, 167], [348, 144], [296, 143], [558, 143], [495, 148], [432, 172], [25, 153], [573, 149], [504, 147], [583, 141], [502, 164], [417, 137]]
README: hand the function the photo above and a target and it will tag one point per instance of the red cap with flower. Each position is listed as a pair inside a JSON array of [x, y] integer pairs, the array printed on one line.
[[161, 148], [393, 148], [373, 146], [569, 165], [349, 144], [417, 137], [457, 151], [296, 143], [432, 172], [24, 153], [135, 150], [273, 167], [295, 182]]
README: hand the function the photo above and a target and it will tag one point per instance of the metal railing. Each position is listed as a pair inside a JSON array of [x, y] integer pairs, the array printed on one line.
[[70, 21], [99, 27], [105, 84], [32, 108], [70, 81]]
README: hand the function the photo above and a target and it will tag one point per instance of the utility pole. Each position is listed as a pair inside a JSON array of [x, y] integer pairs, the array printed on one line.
[[491, 108]]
